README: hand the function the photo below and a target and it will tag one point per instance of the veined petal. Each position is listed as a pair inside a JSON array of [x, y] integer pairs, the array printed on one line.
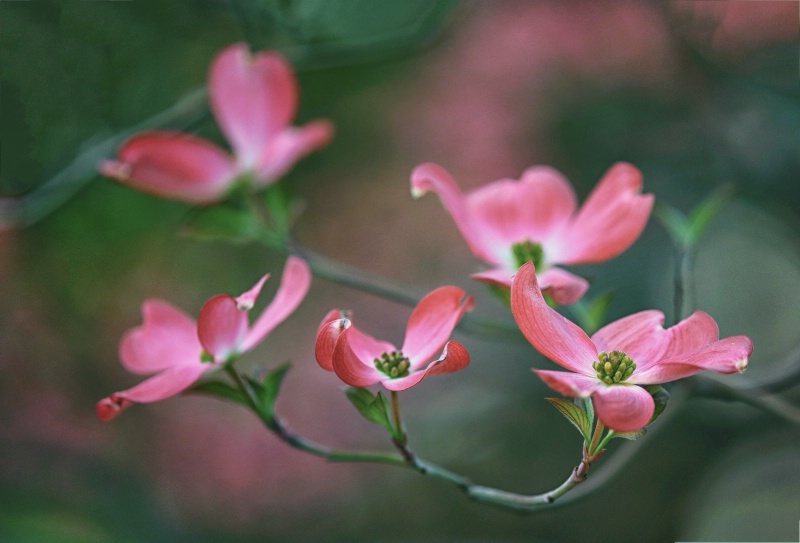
[[432, 177], [366, 347], [432, 322], [167, 338], [173, 165], [610, 220], [641, 336], [221, 327], [454, 357], [693, 332], [551, 334], [533, 209], [328, 333], [729, 355], [349, 366], [566, 288], [289, 146], [623, 408], [163, 385], [294, 286], [569, 384], [253, 98]]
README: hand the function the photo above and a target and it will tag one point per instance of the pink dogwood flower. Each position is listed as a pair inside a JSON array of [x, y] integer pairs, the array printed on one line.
[[635, 350], [510, 222], [179, 350], [361, 360], [254, 99]]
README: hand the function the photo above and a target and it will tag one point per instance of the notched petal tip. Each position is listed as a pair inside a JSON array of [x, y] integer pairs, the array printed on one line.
[[247, 300], [115, 169], [328, 333], [109, 408]]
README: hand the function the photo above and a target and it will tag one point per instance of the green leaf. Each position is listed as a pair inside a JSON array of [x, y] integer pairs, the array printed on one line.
[[632, 436], [591, 315], [375, 409], [226, 222], [589, 407], [266, 391], [221, 389], [676, 224], [575, 414], [660, 397], [283, 208], [707, 210]]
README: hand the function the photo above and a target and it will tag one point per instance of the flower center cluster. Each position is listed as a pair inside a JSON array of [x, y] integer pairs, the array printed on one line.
[[528, 251], [613, 367], [393, 364]]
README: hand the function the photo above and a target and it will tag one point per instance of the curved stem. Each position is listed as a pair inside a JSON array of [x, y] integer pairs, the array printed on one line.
[[683, 282]]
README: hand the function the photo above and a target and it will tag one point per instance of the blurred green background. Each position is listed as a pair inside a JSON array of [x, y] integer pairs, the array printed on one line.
[[696, 94]]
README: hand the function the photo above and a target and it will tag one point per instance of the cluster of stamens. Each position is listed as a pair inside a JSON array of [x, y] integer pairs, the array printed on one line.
[[528, 251], [393, 364], [613, 367]]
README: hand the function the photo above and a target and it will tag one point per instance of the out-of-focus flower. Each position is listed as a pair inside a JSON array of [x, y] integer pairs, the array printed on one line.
[[510, 222], [179, 351], [635, 350], [254, 99], [361, 360]]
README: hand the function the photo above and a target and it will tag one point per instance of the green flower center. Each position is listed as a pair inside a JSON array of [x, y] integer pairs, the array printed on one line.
[[393, 364], [614, 367], [528, 251]]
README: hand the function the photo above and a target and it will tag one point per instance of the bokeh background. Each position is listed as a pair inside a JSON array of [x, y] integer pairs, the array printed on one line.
[[696, 94]]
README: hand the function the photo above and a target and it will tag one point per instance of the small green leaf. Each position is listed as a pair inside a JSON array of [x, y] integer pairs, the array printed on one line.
[[375, 409], [707, 210], [283, 208], [221, 389], [590, 316], [267, 390], [226, 222], [676, 223], [589, 408], [575, 414], [660, 397], [632, 436]]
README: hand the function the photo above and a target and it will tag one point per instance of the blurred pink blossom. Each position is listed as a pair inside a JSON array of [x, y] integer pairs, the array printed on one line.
[[635, 350], [254, 99], [179, 351], [510, 222]]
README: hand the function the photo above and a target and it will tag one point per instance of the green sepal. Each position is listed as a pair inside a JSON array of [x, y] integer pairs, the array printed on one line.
[[230, 221], [660, 397], [220, 389], [575, 414], [266, 391], [631, 436], [375, 409]]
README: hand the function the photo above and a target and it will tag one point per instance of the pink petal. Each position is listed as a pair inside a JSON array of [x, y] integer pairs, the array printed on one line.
[[729, 355], [247, 300], [173, 165], [500, 277], [432, 322], [623, 408], [167, 338], [551, 334], [640, 336], [610, 220], [328, 333], [366, 347], [294, 286], [533, 209], [289, 146], [566, 288], [163, 385], [432, 177], [693, 332], [454, 357], [349, 367], [221, 327], [569, 384], [253, 98]]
